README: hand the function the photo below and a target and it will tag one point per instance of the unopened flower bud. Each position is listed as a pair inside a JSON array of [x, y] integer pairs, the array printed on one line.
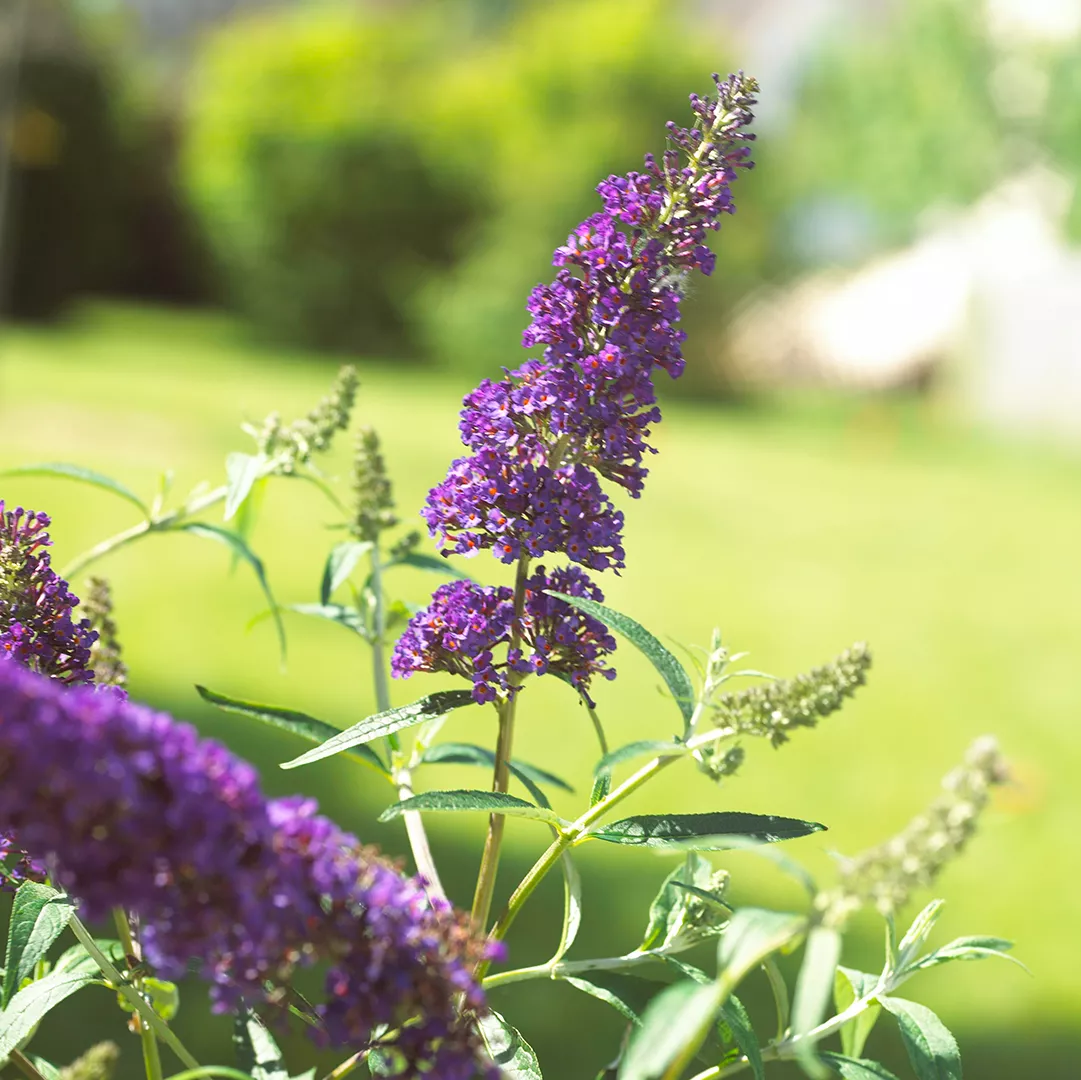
[[373, 496], [109, 669]]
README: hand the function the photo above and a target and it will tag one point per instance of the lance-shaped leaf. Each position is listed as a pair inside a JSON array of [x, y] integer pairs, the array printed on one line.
[[969, 948], [241, 472], [456, 753], [674, 1022], [342, 614], [240, 548], [932, 1050], [297, 723], [627, 994], [702, 832], [852, 1068], [38, 917], [385, 723], [850, 986], [738, 1021], [751, 936], [669, 668], [30, 1005], [572, 906], [256, 1051], [918, 933], [813, 989], [341, 562], [77, 472], [491, 802], [515, 1058], [77, 959], [653, 747]]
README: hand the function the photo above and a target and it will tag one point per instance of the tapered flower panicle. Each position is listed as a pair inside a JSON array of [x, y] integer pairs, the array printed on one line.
[[605, 325], [37, 627], [887, 875], [466, 630], [128, 807]]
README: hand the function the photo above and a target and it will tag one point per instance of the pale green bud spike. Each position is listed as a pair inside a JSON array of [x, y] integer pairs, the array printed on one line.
[[98, 1063], [109, 668], [372, 492], [887, 875]]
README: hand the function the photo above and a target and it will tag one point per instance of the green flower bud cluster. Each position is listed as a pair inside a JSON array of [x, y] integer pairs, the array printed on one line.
[[774, 709], [373, 496], [98, 1063], [887, 875], [294, 444], [702, 916], [109, 669]]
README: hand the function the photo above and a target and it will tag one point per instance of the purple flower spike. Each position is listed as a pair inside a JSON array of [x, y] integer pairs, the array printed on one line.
[[540, 437], [36, 624], [128, 807], [465, 628]]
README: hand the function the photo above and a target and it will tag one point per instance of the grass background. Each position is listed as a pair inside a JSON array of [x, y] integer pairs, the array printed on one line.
[[796, 527]]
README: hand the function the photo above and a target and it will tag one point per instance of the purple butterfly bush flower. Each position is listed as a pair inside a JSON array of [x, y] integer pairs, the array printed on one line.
[[466, 630], [127, 807], [37, 627], [542, 438]]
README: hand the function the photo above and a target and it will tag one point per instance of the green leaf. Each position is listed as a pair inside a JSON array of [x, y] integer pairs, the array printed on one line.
[[298, 723], [77, 959], [46, 1068], [385, 723], [341, 614], [237, 544], [653, 747], [669, 908], [848, 987], [492, 802], [627, 994], [572, 905], [752, 935], [508, 1050], [702, 832], [852, 1068], [674, 1021], [29, 1006], [743, 1035], [455, 753], [918, 933], [341, 562], [669, 668], [256, 1051], [932, 1050], [38, 917], [77, 472], [434, 563], [241, 471], [969, 948], [813, 987], [164, 997]]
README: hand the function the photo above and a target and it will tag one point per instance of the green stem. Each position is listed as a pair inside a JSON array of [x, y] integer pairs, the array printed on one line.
[[560, 969], [141, 1006], [158, 523], [576, 833], [151, 1056], [780, 994], [414, 822], [489, 863], [204, 1072], [349, 1065]]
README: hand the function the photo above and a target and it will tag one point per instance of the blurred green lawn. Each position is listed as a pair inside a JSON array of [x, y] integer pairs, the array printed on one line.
[[796, 528]]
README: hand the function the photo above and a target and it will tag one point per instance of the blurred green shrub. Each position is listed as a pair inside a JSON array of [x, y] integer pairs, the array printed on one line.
[[395, 178], [309, 163]]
